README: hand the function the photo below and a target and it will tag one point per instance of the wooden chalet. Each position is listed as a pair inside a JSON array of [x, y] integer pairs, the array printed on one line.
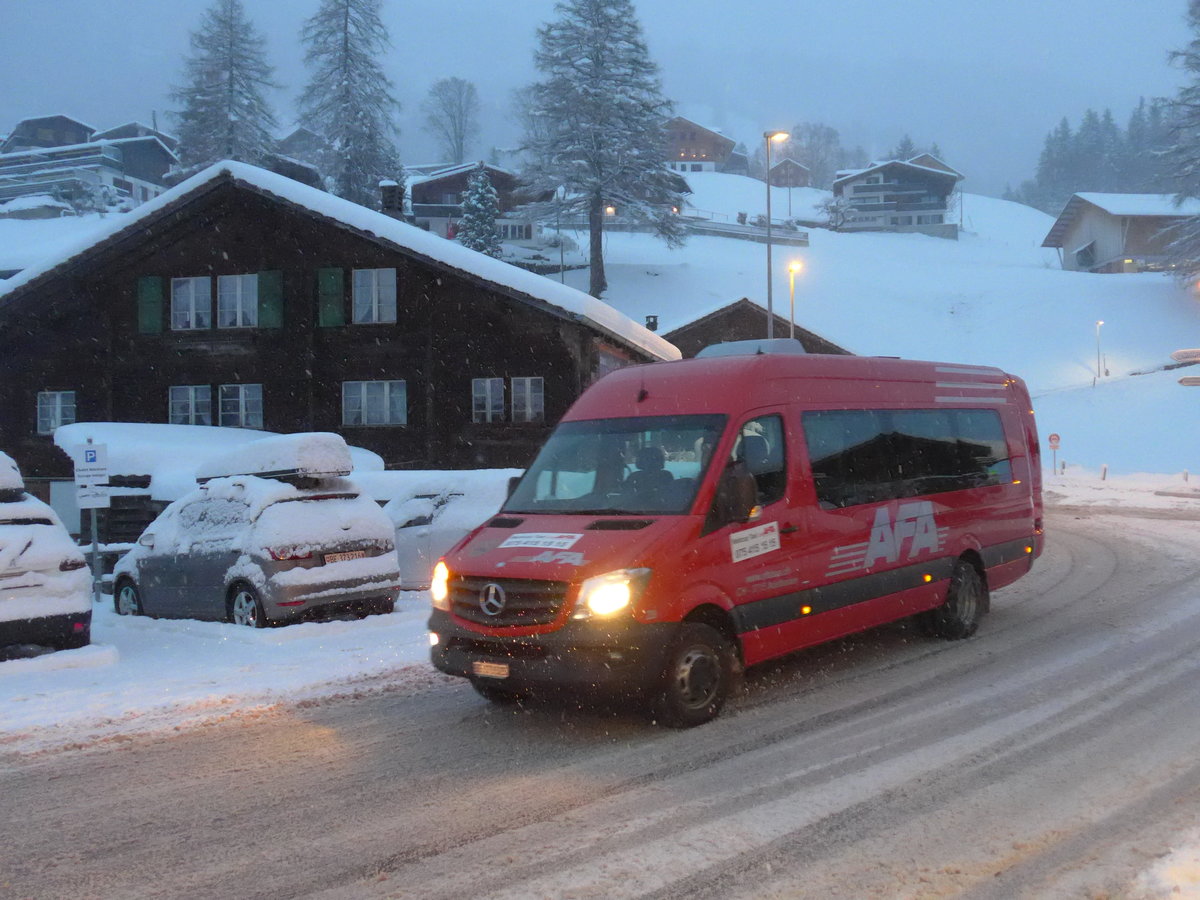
[[742, 320], [789, 174], [436, 196], [693, 148], [1115, 233], [243, 298], [899, 195]]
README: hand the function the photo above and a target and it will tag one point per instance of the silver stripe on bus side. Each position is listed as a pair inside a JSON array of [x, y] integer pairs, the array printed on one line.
[[965, 370], [971, 386], [998, 400]]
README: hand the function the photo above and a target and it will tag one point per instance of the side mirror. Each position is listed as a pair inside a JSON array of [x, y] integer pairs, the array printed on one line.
[[736, 497], [146, 540]]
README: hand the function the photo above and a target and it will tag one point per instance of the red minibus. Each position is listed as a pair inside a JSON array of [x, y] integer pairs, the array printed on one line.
[[686, 519]]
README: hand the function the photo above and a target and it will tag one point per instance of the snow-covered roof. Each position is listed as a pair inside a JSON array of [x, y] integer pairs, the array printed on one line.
[[9, 157], [1158, 205], [447, 171], [436, 250], [32, 201], [315, 454], [25, 119], [846, 174]]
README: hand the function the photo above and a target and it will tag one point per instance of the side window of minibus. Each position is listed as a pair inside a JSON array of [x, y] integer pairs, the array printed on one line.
[[760, 446]]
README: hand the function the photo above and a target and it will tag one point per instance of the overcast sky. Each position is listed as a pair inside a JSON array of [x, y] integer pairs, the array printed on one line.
[[985, 79]]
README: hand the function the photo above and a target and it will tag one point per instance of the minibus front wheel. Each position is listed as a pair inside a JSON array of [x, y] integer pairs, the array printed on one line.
[[966, 601], [696, 679], [497, 694]]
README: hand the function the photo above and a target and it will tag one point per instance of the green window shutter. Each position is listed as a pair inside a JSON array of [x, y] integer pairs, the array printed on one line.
[[270, 299], [331, 297], [150, 304]]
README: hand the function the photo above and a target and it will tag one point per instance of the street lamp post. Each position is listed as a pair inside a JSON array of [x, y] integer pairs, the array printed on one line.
[[1099, 322], [793, 267], [768, 137]]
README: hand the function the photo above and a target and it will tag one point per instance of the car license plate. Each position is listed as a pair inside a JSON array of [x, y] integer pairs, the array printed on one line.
[[342, 557], [489, 669]]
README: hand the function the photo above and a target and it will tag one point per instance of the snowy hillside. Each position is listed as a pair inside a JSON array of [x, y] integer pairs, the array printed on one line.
[[994, 297]]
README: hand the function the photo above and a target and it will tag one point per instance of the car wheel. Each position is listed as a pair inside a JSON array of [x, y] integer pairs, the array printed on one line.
[[245, 608], [127, 600], [697, 678], [497, 693], [966, 601]]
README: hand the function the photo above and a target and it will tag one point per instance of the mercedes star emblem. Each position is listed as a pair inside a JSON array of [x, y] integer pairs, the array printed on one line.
[[491, 599]]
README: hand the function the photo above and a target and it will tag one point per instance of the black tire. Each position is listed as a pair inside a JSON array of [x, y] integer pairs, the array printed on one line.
[[697, 678], [966, 602], [127, 600], [498, 693], [245, 608]]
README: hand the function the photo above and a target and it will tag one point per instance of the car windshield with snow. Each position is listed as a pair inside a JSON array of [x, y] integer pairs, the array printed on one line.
[[297, 541], [45, 593]]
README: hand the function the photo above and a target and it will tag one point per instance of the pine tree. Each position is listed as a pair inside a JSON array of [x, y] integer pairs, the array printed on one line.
[[604, 112], [1185, 153], [348, 98], [480, 206], [225, 113], [906, 149], [451, 113]]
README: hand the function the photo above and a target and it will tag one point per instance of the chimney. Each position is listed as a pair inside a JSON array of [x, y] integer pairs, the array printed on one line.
[[391, 197], [652, 323]]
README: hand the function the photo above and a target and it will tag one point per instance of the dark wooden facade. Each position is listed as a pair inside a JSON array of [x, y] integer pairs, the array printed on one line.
[[689, 142], [79, 326], [789, 173], [742, 320]]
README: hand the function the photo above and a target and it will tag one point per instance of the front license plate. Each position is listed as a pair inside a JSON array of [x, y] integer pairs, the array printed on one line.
[[342, 557], [489, 669]]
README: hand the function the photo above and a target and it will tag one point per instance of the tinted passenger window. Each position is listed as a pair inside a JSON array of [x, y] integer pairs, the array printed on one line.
[[760, 446], [867, 456]]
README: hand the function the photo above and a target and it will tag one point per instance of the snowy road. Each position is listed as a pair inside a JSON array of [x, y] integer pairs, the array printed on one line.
[[1055, 754]]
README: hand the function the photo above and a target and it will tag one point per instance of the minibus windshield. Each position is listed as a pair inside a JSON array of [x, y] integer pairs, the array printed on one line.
[[631, 466]]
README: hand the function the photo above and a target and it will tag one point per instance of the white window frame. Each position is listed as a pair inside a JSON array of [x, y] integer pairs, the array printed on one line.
[[240, 406], [529, 400], [357, 397], [191, 303], [487, 400], [237, 294], [54, 408], [374, 296], [193, 400]]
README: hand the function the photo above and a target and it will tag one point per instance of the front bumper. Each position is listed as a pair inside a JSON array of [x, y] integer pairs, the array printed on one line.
[[625, 657]]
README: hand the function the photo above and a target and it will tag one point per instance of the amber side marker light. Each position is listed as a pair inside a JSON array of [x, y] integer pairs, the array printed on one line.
[[1028, 549], [805, 610], [928, 578]]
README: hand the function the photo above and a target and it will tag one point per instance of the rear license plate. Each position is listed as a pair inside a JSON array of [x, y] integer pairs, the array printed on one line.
[[489, 669], [342, 557]]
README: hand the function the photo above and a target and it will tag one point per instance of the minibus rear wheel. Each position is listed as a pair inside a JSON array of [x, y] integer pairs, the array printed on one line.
[[697, 677], [966, 600]]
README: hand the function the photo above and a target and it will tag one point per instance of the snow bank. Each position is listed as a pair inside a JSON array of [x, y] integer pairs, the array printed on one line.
[[171, 454], [314, 454]]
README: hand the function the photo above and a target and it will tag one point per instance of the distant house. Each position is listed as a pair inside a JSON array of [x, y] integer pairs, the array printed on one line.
[[245, 299], [436, 194], [899, 195], [1117, 232], [789, 173], [128, 168], [691, 147], [137, 129], [742, 320], [46, 131]]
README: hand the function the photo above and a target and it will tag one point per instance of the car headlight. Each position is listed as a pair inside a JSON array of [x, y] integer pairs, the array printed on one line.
[[610, 593], [439, 587]]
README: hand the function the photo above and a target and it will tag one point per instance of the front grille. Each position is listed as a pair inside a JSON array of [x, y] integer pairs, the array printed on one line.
[[526, 601]]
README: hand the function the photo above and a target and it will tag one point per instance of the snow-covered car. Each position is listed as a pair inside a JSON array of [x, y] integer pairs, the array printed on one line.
[[45, 587], [296, 541]]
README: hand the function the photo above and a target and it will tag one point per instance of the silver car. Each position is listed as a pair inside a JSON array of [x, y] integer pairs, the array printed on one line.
[[261, 551]]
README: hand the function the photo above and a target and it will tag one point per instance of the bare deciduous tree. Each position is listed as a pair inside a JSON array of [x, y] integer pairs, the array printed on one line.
[[451, 113]]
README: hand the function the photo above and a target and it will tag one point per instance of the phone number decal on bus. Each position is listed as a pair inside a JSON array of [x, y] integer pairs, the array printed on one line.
[[545, 540], [754, 541]]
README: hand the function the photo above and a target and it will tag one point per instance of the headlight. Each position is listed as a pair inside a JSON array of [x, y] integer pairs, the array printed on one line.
[[439, 587], [607, 594]]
